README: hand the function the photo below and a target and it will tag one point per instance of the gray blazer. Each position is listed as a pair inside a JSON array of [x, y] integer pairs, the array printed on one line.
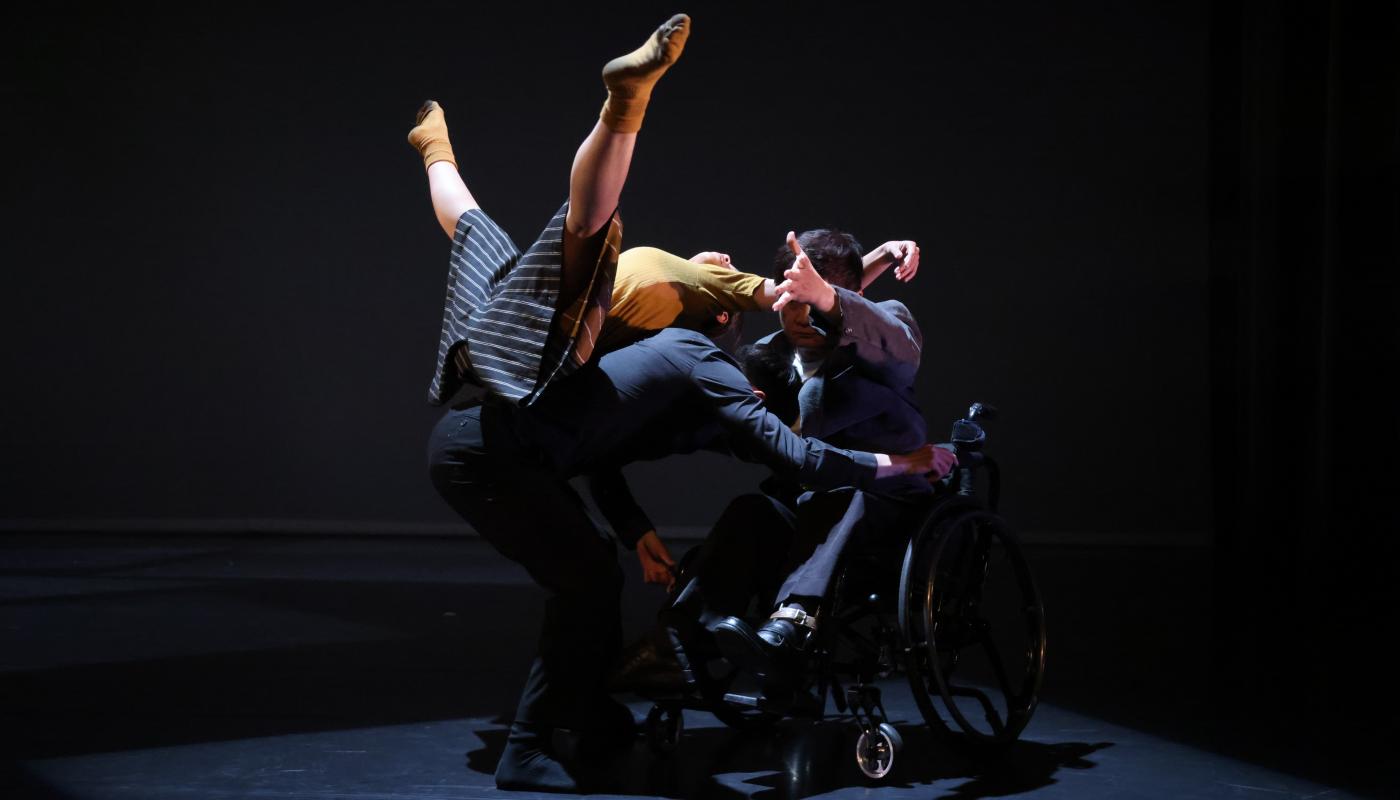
[[863, 396]]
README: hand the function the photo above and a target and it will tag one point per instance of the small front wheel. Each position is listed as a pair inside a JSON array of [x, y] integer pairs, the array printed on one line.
[[664, 726], [876, 750]]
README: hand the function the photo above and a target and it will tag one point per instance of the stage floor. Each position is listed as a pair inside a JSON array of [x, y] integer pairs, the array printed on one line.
[[191, 667]]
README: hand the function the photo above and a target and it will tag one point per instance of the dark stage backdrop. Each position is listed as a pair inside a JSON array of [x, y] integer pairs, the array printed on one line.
[[223, 280]]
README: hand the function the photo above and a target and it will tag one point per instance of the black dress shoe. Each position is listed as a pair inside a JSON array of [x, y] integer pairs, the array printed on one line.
[[777, 644], [651, 668]]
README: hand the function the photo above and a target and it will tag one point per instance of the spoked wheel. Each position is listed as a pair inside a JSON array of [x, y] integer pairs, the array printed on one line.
[[975, 626], [876, 750]]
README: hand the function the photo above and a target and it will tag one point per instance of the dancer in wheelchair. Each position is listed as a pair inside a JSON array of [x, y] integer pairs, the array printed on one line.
[[844, 367], [521, 330]]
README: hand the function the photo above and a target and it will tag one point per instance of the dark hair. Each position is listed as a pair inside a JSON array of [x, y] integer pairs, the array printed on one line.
[[836, 255], [725, 335], [774, 374]]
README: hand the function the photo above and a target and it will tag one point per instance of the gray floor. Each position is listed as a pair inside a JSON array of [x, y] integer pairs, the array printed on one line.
[[165, 667]]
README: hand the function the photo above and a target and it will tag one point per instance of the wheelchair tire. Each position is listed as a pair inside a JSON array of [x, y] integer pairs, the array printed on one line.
[[877, 750], [960, 569], [664, 726]]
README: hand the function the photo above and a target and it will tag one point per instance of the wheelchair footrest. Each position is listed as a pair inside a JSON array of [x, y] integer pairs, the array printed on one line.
[[748, 701]]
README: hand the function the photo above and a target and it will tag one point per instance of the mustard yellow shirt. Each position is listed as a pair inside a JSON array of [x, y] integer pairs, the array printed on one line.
[[655, 289]]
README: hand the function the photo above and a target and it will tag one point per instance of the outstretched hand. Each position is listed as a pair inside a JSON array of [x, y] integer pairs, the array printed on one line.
[[657, 564], [801, 282]]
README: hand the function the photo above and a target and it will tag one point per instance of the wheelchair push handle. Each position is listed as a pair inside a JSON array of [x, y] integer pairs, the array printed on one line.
[[968, 439], [981, 411], [968, 434]]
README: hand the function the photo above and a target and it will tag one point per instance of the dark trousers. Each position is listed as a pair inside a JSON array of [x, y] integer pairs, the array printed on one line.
[[534, 518], [760, 548], [737, 561], [830, 523]]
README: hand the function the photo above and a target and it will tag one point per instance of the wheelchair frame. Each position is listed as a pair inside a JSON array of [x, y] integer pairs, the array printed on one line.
[[937, 619]]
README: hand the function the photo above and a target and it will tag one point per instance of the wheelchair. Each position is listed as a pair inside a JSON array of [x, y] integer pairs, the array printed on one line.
[[957, 611]]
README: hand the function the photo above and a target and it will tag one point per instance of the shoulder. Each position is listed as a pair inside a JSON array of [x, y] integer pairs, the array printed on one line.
[[896, 308], [854, 304], [681, 337], [680, 345], [773, 340]]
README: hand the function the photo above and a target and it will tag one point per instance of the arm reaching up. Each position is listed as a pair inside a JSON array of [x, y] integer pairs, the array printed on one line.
[[902, 255]]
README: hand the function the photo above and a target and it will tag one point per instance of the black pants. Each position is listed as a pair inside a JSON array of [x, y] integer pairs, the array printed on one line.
[[534, 518], [738, 561], [761, 548]]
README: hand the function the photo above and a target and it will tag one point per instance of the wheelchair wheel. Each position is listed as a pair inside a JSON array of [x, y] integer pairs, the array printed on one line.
[[975, 626], [876, 750], [664, 726]]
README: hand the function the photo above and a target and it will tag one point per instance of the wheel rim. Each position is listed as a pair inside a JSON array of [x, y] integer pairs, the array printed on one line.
[[664, 728], [875, 754], [986, 671]]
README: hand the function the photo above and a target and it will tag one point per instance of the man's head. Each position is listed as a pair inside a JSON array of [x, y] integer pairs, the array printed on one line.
[[773, 378], [726, 330], [836, 256]]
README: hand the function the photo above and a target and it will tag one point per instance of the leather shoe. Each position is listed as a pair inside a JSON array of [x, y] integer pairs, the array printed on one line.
[[651, 668], [765, 652]]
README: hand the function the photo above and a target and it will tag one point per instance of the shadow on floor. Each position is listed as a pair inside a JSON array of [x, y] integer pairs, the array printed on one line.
[[800, 759]]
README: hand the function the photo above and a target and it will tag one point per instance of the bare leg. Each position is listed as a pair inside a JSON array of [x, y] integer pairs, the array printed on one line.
[[595, 182], [450, 196], [600, 166], [595, 185], [449, 193]]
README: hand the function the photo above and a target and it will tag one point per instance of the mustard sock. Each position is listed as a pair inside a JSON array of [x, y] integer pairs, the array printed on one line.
[[429, 135], [629, 78]]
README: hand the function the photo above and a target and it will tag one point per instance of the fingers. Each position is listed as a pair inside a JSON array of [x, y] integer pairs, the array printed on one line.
[[802, 262], [792, 244], [906, 256], [783, 299], [655, 572], [905, 271], [943, 462]]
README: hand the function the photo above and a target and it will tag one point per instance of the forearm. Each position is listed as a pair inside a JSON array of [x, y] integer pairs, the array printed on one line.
[[766, 294], [874, 265], [614, 499]]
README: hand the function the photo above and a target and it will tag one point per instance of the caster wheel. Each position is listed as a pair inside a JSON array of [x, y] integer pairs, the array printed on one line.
[[664, 727], [876, 750]]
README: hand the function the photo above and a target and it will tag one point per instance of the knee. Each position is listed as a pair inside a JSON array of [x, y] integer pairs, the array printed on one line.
[[745, 511], [746, 520]]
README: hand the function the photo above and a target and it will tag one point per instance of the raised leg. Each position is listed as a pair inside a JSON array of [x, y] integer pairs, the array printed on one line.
[[600, 166], [445, 185]]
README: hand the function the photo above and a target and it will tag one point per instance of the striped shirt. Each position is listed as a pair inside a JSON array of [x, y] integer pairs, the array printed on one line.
[[500, 329]]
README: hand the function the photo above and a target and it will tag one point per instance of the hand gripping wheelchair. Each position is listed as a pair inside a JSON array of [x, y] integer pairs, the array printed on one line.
[[957, 610]]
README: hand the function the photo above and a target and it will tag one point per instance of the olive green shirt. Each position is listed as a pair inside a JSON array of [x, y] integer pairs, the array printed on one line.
[[655, 289]]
